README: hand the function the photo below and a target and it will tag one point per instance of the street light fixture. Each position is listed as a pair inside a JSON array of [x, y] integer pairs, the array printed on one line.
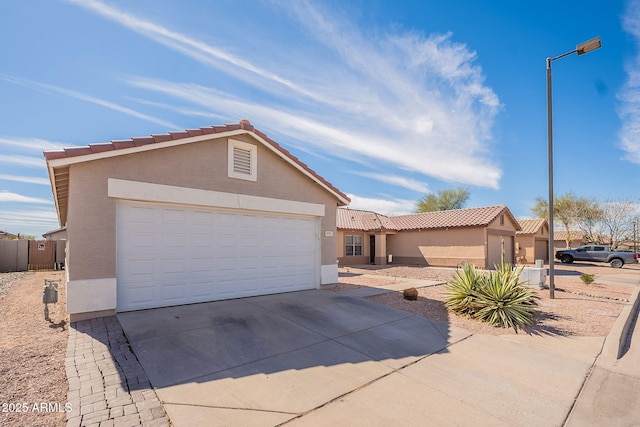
[[580, 49]]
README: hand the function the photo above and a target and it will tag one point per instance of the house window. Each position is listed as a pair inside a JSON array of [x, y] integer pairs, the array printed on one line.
[[353, 245], [243, 160], [502, 219]]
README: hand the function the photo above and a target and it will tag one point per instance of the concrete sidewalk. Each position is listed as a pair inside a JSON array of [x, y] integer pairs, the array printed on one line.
[[611, 394]]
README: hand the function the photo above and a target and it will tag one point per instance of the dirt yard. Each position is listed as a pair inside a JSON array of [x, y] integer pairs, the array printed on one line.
[[576, 310], [33, 382]]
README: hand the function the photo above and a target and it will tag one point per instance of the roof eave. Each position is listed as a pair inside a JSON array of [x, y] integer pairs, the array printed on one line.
[[55, 160]]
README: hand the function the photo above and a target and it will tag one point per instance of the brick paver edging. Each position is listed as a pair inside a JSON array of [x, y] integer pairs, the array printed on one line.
[[107, 385]]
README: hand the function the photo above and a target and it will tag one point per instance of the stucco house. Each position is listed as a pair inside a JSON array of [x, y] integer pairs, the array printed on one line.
[[57, 234], [200, 215], [564, 240], [4, 235], [577, 238], [532, 241], [481, 236]]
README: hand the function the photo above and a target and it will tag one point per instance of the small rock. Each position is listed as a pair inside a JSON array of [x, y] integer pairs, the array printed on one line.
[[410, 294]]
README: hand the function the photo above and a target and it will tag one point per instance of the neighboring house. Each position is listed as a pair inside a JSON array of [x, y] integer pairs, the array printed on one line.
[[201, 215], [576, 239], [571, 240], [532, 241], [8, 236], [60, 237], [481, 236], [59, 234]]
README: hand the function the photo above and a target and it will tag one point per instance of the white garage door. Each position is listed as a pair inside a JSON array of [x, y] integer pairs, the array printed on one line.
[[170, 255]]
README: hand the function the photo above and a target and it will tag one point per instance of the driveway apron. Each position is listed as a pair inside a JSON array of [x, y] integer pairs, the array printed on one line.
[[269, 359], [325, 358]]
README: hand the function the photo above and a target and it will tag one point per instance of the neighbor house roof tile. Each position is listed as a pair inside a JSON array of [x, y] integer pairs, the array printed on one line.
[[353, 219], [576, 235], [531, 226], [469, 217]]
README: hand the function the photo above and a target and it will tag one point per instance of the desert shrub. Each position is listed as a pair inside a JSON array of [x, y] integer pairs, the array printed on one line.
[[461, 288], [587, 279], [496, 297], [410, 294], [503, 301]]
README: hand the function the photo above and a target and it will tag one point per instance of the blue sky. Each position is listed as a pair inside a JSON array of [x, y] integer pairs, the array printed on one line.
[[388, 100]]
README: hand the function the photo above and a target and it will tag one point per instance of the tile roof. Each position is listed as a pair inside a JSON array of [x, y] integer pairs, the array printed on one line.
[[576, 235], [470, 217], [61, 183], [455, 218], [579, 236], [353, 219], [531, 226]]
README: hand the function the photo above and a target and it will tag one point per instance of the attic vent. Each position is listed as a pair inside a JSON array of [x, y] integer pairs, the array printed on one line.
[[242, 160]]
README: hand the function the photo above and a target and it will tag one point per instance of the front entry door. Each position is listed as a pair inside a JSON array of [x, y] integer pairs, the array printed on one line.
[[372, 249]]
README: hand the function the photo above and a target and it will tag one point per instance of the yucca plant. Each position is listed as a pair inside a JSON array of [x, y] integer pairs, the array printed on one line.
[[503, 301], [461, 288]]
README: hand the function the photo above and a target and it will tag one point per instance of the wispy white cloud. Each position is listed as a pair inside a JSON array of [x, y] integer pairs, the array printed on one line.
[[27, 179], [35, 144], [33, 222], [179, 110], [6, 196], [417, 102], [47, 88], [629, 94], [441, 161], [29, 216], [196, 49], [384, 206], [400, 181], [16, 159]]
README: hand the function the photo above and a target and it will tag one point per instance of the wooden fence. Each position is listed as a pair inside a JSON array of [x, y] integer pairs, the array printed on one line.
[[22, 255]]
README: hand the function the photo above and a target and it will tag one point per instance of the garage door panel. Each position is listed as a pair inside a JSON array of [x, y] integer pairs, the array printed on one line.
[[140, 267], [174, 266], [202, 265], [173, 216], [142, 214], [177, 255], [173, 292]]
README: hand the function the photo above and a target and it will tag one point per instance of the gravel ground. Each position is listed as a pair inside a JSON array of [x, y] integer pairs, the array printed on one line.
[[33, 383], [576, 310], [8, 279]]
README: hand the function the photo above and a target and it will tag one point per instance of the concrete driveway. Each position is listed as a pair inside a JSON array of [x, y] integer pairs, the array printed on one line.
[[325, 358]]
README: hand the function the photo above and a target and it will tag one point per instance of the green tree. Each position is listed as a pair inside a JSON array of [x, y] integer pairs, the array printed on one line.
[[443, 200], [568, 209]]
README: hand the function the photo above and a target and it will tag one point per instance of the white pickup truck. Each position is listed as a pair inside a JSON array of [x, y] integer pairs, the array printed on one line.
[[597, 253]]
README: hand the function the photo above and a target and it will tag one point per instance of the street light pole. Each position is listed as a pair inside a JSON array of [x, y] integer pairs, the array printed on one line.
[[580, 49]]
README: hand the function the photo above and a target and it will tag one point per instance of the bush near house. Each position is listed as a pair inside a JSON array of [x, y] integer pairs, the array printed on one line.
[[496, 297]]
